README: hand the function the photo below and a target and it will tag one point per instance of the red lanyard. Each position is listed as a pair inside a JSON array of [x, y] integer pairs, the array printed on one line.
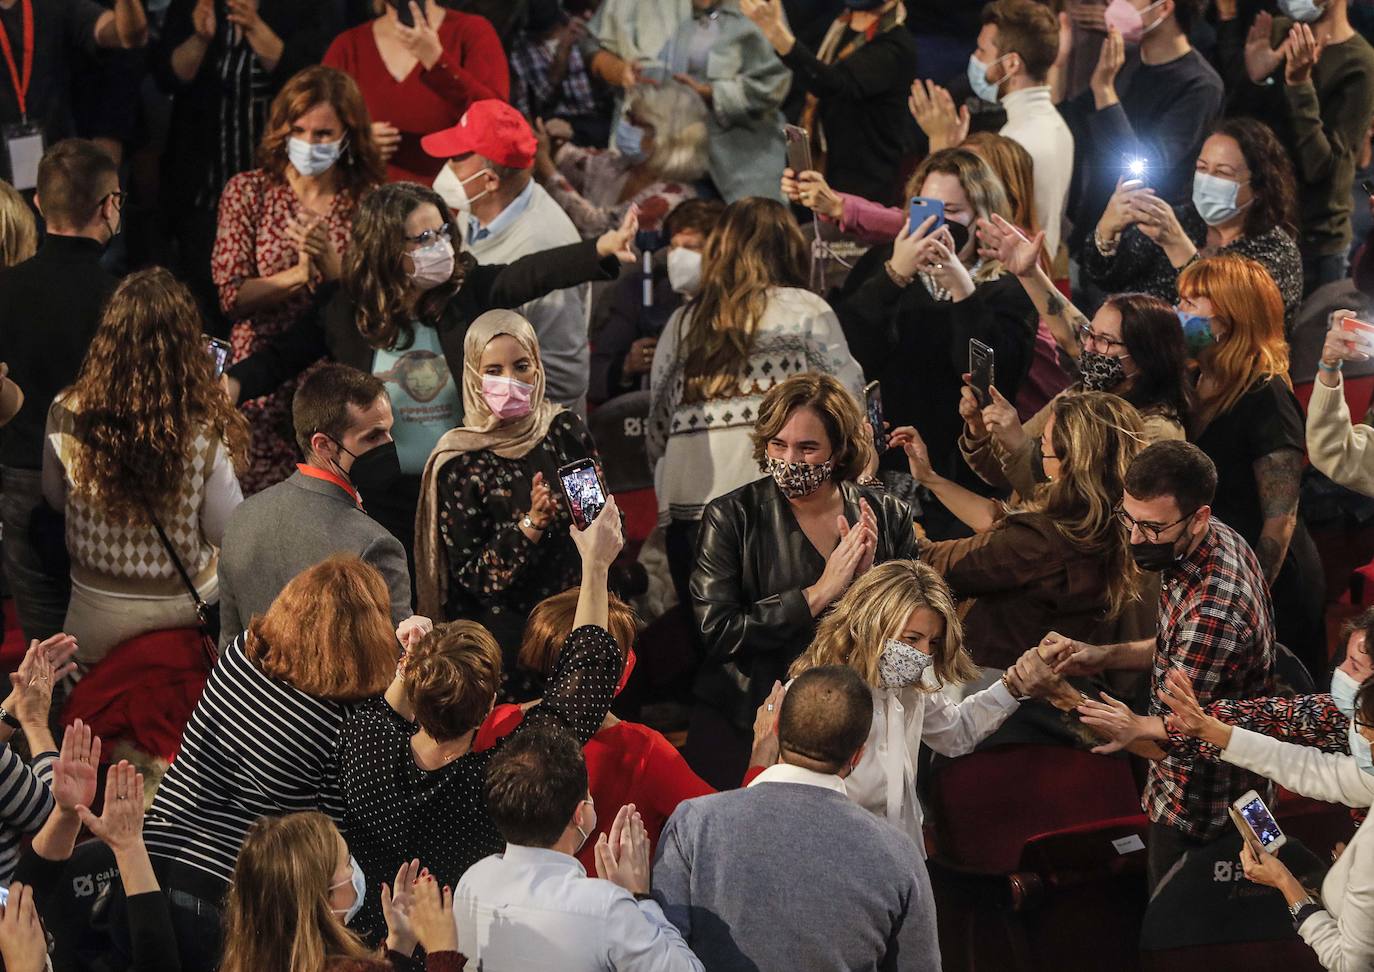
[[330, 477], [21, 85]]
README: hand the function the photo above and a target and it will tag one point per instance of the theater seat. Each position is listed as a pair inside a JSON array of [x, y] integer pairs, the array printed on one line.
[[1281, 956]]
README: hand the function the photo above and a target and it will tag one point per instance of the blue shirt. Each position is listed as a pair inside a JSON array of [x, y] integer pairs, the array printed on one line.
[[476, 231], [425, 398]]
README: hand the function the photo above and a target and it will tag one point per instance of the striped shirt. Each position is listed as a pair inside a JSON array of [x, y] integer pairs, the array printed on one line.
[[25, 802], [254, 747]]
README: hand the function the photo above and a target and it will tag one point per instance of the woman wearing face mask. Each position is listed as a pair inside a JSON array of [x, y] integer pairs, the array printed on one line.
[[775, 554], [491, 539], [910, 309], [1242, 202], [261, 741], [1340, 925], [401, 312], [658, 150], [295, 888], [283, 230], [1250, 424], [641, 303], [1133, 347], [750, 326], [899, 629]]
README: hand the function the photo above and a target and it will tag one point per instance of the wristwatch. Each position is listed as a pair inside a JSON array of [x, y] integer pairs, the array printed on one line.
[[528, 524], [8, 718], [1302, 908]]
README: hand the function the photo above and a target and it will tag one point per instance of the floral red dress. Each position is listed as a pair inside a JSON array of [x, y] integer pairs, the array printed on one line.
[[251, 241]]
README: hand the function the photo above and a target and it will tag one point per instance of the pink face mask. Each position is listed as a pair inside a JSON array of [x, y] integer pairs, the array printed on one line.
[[506, 397], [1129, 22]]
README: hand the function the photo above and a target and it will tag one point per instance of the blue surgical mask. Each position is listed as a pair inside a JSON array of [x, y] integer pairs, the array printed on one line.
[[1343, 692], [359, 882], [629, 141], [1197, 332], [1303, 11], [1359, 749], [978, 79], [1214, 198], [312, 158]]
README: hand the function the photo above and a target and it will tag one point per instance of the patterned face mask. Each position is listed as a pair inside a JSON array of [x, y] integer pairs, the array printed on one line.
[[798, 479], [1100, 372], [901, 665]]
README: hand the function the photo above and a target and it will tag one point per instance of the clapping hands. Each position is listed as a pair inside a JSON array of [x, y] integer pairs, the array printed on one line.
[[622, 856]]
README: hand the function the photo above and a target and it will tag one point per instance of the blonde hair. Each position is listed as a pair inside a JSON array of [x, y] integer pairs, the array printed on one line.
[[875, 609], [679, 118], [18, 231], [986, 193]]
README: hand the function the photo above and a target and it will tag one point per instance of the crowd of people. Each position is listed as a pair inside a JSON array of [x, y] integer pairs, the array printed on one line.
[[954, 349]]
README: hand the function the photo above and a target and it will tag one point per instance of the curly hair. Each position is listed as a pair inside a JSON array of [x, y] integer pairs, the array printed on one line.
[[360, 166], [376, 279], [846, 425], [1271, 176], [145, 392]]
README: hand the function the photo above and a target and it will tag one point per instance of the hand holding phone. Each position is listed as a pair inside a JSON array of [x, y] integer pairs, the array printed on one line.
[[585, 490], [981, 370], [922, 208], [1358, 335], [873, 405], [1256, 824], [219, 355], [798, 149]]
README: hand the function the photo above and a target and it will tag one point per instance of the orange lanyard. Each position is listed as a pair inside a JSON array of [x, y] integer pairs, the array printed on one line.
[[21, 84]]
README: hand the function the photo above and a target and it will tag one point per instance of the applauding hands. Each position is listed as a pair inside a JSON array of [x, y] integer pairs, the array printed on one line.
[[622, 856], [851, 557]]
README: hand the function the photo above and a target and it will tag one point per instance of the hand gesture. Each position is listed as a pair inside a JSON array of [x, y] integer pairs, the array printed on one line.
[[1110, 59], [422, 40], [1157, 219], [702, 88], [243, 14], [1186, 714], [868, 522], [203, 20], [622, 856], [541, 503], [971, 412], [600, 543], [840, 567], [31, 686], [1339, 346], [73, 775], [397, 902], [933, 108], [765, 751], [1068, 657], [1113, 720], [639, 360], [310, 233], [943, 265], [388, 138], [1261, 57], [999, 240], [907, 252], [619, 243], [1301, 51], [917, 455], [766, 14], [1121, 211], [815, 193], [1032, 675], [120, 824], [1263, 867], [23, 945], [1001, 420], [1088, 15], [412, 630], [431, 916]]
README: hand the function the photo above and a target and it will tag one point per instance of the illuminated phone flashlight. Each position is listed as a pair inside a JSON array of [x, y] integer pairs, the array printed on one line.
[[1136, 167]]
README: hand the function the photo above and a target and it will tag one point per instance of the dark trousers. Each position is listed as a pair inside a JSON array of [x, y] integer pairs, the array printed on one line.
[[716, 749], [39, 598], [680, 543], [1166, 846]]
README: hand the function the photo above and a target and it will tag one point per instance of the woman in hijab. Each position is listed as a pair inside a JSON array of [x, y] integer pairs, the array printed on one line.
[[491, 539]]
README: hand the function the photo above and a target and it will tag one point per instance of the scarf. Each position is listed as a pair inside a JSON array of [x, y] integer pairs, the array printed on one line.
[[511, 440]]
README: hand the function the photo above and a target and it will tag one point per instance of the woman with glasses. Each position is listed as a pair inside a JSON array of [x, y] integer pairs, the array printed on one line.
[[1133, 347], [1243, 202], [401, 311]]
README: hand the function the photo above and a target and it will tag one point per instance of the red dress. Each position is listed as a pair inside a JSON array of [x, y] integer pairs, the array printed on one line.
[[472, 68], [626, 763]]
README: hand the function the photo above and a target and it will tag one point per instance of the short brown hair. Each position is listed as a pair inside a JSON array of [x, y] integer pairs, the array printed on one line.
[[451, 678], [551, 622], [72, 177], [1028, 29], [701, 215], [328, 633], [844, 421], [321, 402], [360, 166]]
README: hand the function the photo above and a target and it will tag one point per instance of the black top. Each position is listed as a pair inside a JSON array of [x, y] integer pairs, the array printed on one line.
[[868, 128], [627, 321], [753, 564], [396, 812], [51, 306], [917, 347], [61, 28], [496, 575], [1266, 419]]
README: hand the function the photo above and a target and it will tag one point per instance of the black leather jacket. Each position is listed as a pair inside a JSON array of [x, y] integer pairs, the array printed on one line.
[[753, 562]]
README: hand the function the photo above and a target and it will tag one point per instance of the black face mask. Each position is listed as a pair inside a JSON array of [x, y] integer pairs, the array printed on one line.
[[374, 471], [1155, 557], [960, 234]]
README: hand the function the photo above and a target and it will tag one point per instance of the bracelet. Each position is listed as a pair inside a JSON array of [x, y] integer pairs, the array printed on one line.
[[1106, 249], [8, 718], [900, 279], [1335, 367]]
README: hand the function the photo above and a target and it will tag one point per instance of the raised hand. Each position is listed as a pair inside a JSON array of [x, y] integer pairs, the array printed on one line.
[[541, 503], [431, 916], [412, 630], [73, 774], [1121, 211], [120, 824], [1110, 60], [1340, 345], [1301, 51], [933, 108], [622, 856], [203, 20], [601, 541], [1005, 243], [1261, 57], [1157, 219], [620, 242], [1001, 420], [918, 461], [971, 412], [397, 903], [23, 945], [421, 40], [815, 193]]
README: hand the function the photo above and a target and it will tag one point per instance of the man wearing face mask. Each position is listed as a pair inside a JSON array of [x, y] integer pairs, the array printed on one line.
[[1310, 75], [1216, 631], [503, 215], [52, 304], [343, 421]]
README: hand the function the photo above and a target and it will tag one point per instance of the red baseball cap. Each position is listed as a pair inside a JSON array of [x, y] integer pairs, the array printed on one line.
[[492, 129]]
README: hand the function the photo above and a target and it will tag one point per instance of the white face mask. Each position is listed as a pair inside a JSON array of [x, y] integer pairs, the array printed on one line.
[[684, 270], [359, 882], [454, 191]]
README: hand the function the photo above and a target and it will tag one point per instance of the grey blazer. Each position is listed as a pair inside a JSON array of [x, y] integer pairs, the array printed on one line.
[[286, 528]]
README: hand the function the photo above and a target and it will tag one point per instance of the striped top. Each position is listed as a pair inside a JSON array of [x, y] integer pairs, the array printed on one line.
[[25, 802], [254, 747]]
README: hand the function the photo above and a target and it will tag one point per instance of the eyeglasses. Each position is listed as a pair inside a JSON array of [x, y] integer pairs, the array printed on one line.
[[428, 237], [1086, 334], [1150, 531]]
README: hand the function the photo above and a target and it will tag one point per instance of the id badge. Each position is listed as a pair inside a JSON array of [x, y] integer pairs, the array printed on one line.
[[23, 150]]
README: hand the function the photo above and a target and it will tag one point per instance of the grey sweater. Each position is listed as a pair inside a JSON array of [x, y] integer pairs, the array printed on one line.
[[785, 876]]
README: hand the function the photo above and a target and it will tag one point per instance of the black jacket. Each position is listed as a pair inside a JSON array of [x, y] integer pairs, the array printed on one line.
[[753, 562], [332, 330]]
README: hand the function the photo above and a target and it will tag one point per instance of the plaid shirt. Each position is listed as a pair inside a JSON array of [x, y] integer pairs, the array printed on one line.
[[531, 92], [1216, 626]]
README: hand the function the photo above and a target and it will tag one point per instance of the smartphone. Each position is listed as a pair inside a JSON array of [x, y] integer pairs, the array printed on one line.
[[982, 374], [1131, 184], [585, 489], [1367, 187], [1256, 824], [922, 208], [1360, 334], [873, 405], [798, 149], [219, 355], [403, 11]]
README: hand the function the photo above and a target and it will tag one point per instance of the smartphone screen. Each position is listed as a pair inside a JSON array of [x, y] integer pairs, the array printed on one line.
[[1360, 334], [873, 404], [981, 370], [403, 11], [922, 208], [586, 493], [798, 149], [219, 355], [1261, 822]]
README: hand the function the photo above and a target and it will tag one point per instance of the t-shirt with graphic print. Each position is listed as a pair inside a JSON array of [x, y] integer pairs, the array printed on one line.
[[425, 399]]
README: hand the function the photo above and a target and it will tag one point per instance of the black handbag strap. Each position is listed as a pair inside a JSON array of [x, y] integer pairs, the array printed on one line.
[[202, 609]]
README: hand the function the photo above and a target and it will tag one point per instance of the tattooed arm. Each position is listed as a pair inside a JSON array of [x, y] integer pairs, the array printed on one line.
[[1277, 476], [1061, 316]]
